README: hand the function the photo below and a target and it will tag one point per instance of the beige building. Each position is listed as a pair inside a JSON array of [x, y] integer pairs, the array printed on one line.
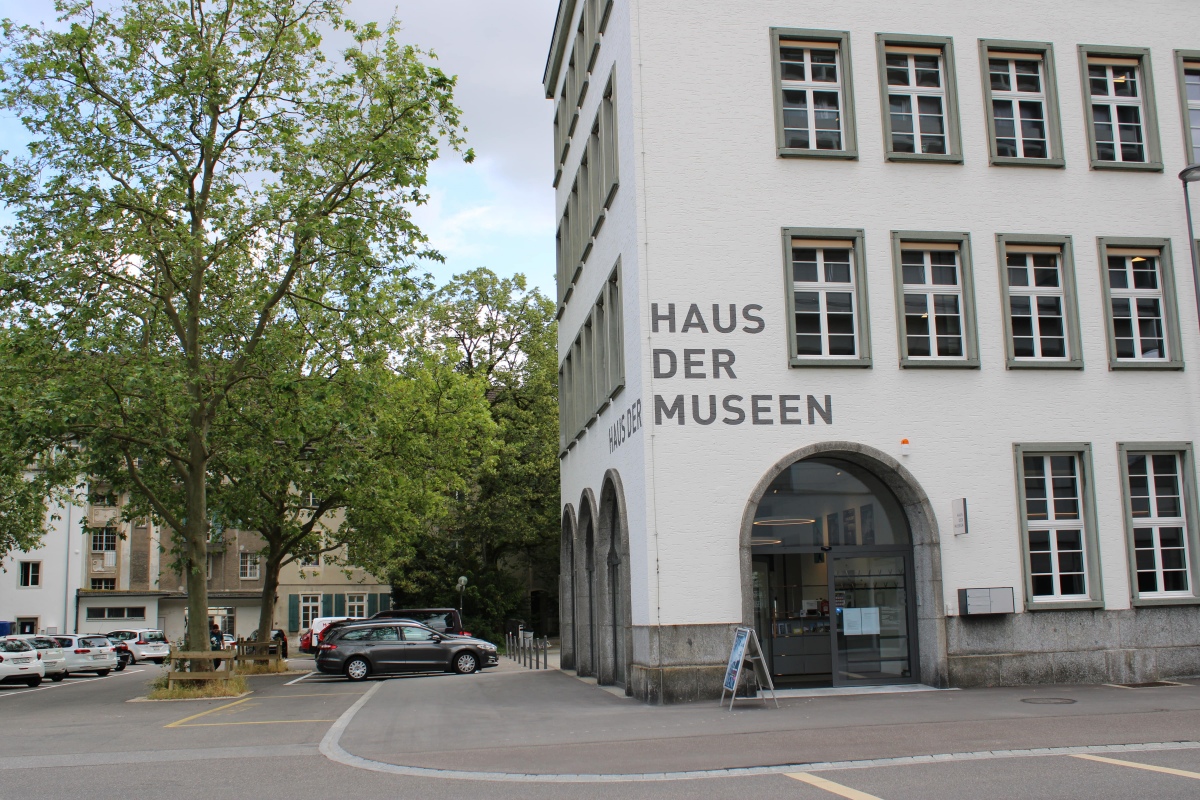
[[128, 581]]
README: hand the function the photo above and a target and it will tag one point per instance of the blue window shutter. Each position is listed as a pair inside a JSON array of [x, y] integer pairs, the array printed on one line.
[[372, 604], [326, 605], [293, 612], [339, 605], [385, 601]]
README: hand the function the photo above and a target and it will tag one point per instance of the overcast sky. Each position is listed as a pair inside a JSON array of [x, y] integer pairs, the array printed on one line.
[[499, 211]]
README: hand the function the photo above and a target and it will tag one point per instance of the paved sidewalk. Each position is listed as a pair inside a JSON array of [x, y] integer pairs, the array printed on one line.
[[549, 722]]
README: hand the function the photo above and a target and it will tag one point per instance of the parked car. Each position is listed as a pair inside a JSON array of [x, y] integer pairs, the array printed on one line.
[[20, 662], [442, 620], [88, 653], [145, 644], [278, 637], [229, 640], [315, 632], [54, 661], [382, 647]]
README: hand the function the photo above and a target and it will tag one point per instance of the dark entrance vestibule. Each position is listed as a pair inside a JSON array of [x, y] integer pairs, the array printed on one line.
[[833, 585]]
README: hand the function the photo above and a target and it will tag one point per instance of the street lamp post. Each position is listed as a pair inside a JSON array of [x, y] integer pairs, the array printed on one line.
[[1190, 175]]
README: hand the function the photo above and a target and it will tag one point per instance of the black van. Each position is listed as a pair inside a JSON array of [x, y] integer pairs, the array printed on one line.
[[442, 620]]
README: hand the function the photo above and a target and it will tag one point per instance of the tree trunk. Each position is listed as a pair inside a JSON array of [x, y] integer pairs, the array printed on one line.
[[196, 547], [270, 595]]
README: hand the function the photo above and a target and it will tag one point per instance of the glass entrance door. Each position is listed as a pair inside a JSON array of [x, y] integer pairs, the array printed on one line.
[[873, 628]]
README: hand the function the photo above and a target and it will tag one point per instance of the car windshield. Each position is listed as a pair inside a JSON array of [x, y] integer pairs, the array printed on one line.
[[95, 641], [119, 636], [14, 646], [157, 637], [64, 642], [42, 643]]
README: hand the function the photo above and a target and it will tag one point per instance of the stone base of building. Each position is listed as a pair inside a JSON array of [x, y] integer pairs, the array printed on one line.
[[679, 663], [666, 685], [1086, 646]]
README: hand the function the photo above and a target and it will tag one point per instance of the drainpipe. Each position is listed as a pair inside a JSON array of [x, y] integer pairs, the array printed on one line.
[[66, 617]]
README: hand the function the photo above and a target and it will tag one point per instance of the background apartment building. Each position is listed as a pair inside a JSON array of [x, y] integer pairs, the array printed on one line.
[[877, 334]]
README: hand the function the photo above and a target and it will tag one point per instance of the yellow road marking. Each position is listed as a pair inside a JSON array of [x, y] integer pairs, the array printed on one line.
[[252, 722], [1138, 765], [205, 713], [830, 786]]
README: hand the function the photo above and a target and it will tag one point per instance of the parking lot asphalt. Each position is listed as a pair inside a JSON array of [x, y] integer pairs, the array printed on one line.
[[430, 736]]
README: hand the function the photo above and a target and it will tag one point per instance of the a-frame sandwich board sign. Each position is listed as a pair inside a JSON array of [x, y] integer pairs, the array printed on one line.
[[746, 651]]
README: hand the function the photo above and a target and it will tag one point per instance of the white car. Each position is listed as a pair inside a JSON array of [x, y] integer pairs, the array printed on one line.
[[20, 663], [145, 644], [88, 653], [54, 660]]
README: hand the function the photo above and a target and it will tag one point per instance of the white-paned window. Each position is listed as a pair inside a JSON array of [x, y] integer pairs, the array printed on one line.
[[248, 566], [1136, 296], [1118, 113], [934, 325], [104, 539], [824, 298], [356, 605], [31, 574], [916, 99], [1160, 534], [1037, 304], [1019, 106], [1054, 522], [310, 609], [1191, 92], [104, 584], [811, 86]]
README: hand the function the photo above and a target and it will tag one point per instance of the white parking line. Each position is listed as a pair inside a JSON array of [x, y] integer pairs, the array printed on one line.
[[72, 683], [297, 680]]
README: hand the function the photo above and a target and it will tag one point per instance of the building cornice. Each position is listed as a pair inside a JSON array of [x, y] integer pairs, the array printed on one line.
[[558, 46]]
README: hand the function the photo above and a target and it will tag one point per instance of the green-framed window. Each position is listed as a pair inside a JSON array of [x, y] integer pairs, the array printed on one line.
[[1020, 98], [935, 299], [825, 282], [1056, 505], [1187, 72], [1040, 306], [1118, 101], [814, 93], [1140, 313], [1158, 489], [919, 97]]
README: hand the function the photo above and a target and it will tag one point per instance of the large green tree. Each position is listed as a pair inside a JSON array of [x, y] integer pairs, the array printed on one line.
[[349, 462], [199, 172], [503, 532]]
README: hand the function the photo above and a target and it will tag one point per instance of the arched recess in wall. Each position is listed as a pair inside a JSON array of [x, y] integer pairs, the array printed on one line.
[[566, 589], [612, 598], [586, 565], [922, 522]]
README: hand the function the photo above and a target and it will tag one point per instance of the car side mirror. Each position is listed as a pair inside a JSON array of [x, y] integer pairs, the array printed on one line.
[[437, 637]]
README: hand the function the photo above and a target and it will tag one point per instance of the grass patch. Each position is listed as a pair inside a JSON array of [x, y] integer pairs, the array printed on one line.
[[264, 669], [197, 690]]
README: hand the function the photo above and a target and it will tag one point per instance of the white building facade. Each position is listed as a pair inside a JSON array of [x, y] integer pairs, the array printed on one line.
[[878, 334], [38, 587]]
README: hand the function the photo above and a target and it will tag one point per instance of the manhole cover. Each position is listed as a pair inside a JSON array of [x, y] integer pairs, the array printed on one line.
[[1147, 684], [1048, 701]]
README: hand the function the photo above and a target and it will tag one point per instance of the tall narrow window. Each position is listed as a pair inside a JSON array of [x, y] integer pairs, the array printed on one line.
[[1160, 530], [1187, 66], [310, 609], [1055, 526], [31, 574], [1019, 107], [1136, 302], [920, 113], [827, 297], [1119, 99], [813, 93], [935, 294], [248, 566], [1037, 281]]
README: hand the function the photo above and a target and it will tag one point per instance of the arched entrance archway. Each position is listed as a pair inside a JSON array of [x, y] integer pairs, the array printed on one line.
[[585, 587], [844, 526], [613, 596], [566, 577]]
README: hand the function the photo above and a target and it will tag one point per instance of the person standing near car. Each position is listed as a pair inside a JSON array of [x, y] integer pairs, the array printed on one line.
[[216, 642]]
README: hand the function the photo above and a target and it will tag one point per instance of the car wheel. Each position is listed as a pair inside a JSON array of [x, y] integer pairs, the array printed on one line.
[[59, 677], [103, 673], [465, 663], [358, 669], [121, 665], [34, 681]]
